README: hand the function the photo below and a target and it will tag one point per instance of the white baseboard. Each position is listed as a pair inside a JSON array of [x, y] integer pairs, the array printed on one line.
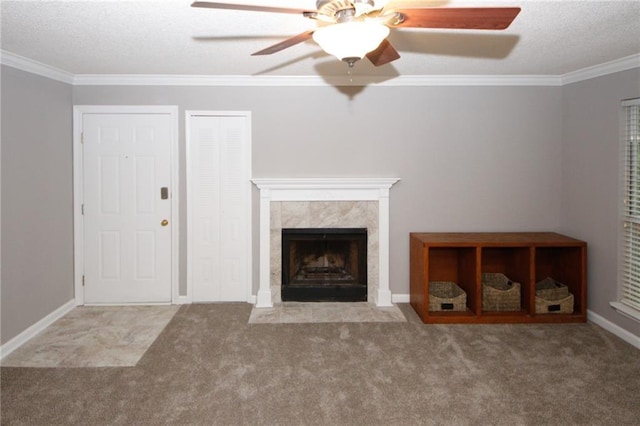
[[399, 298], [36, 328], [591, 316], [613, 328]]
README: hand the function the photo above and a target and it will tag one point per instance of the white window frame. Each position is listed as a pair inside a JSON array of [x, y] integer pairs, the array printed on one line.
[[628, 302]]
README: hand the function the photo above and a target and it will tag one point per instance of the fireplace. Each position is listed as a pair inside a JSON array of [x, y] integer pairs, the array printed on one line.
[[324, 264], [358, 202]]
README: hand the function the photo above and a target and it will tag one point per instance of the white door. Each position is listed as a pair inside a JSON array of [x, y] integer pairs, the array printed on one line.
[[127, 207], [218, 194]]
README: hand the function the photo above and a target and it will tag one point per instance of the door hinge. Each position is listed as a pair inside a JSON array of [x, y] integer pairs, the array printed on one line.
[[82, 137], [83, 281], [82, 209]]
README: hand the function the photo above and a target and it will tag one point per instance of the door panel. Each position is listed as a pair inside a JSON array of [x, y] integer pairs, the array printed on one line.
[[218, 205], [126, 160]]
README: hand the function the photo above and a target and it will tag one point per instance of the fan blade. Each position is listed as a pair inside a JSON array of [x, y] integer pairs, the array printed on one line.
[[247, 7], [469, 18], [383, 54], [292, 41]]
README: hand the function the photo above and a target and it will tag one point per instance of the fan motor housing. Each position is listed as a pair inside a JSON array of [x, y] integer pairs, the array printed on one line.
[[341, 3], [334, 7]]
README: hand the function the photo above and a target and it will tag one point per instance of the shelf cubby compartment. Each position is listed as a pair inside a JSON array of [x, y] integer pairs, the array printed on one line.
[[442, 263], [515, 264], [456, 265], [566, 265]]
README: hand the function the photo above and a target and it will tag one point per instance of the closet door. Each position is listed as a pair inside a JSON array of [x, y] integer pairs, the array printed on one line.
[[219, 206]]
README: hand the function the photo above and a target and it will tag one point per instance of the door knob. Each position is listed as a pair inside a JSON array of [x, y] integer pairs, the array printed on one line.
[[164, 222]]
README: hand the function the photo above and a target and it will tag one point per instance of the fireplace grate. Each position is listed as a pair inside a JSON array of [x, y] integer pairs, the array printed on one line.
[[322, 274], [324, 264]]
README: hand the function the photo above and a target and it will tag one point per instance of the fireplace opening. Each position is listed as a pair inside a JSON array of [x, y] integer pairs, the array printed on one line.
[[324, 264]]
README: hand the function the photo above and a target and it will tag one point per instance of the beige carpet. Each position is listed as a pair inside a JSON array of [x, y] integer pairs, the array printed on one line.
[[95, 336], [210, 366]]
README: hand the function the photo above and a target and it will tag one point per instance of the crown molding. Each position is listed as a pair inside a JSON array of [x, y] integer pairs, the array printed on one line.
[[34, 67], [622, 64], [279, 81], [195, 80], [474, 80]]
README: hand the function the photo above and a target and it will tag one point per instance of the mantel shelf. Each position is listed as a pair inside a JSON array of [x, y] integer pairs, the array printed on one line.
[[326, 183]]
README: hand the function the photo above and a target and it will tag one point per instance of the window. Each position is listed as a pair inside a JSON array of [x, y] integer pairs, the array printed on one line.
[[630, 241]]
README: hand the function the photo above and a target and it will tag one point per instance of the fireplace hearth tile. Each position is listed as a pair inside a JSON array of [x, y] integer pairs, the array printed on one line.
[[325, 312]]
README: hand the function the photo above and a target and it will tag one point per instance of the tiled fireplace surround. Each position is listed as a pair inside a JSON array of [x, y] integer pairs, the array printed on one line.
[[324, 203]]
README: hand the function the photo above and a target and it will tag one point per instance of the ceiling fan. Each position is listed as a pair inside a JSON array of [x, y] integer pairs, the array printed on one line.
[[352, 29]]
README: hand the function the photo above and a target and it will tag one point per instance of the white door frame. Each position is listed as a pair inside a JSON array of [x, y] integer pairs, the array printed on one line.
[[247, 167], [78, 184]]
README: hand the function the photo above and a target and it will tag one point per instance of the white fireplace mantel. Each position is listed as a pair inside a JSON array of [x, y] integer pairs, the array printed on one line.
[[324, 189]]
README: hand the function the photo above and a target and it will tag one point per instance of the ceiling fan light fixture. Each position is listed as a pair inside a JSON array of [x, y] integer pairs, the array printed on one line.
[[350, 41]]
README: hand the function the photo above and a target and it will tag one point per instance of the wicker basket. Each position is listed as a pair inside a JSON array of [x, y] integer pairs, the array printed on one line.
[[446, 296], [551, 289], [499, 293], [553, 297]]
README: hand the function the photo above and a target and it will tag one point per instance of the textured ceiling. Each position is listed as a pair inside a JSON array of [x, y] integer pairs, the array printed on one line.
[[170, 37]]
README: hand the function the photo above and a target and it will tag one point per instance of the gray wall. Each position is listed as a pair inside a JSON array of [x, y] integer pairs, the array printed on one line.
[[37, 196], [470, 158], [590, 190]]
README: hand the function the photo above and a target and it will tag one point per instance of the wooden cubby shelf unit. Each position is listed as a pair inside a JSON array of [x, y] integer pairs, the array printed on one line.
[[524, 257]]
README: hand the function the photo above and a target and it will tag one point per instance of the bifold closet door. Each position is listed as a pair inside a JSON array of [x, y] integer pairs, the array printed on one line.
[[218, 204]]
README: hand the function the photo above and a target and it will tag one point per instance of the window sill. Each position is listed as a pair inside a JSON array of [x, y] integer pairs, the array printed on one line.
[[625, 310]]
